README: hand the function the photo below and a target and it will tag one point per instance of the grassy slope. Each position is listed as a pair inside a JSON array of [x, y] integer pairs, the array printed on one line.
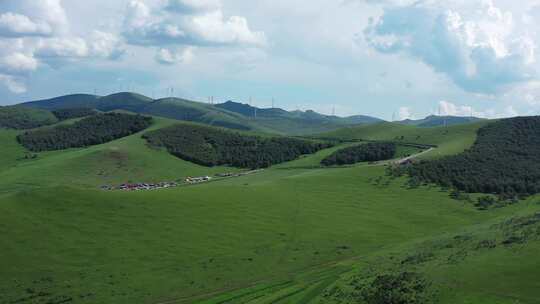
[[451, 140], [181, 109], [25, 118], [219, 235], [127, 159], [280, 236]]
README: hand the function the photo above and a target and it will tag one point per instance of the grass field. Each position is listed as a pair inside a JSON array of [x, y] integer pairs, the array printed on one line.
[[450, 140], [279, 236]]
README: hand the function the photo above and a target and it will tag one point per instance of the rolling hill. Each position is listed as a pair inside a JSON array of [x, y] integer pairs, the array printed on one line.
[[450, 140], [25, 118], [292, 233], [173, 108], [230, 114], [437, 121]]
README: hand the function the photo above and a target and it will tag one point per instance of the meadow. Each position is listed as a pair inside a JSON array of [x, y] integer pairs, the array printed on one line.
[[294, 233]]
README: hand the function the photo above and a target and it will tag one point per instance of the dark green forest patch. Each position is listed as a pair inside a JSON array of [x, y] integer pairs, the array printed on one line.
[[361, 153], [65, 114], [90, 131], [209, 146], [21, 118], [504, 160]]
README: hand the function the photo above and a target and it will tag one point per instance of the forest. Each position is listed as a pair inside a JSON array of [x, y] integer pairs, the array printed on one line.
[[210, 146], [361, 153], [89, 131], [70, 113], [504, 160], [21, 118]]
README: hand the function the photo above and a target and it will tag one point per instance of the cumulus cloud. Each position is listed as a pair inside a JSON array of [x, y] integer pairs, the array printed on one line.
[[15, 59], [14, 84], [450, 109], [447, 108], [32, 18], [16, 25], [405, 113], [187, 23], [480, 47], [171, 57], [193, 6], [106, 45], [37, 32]]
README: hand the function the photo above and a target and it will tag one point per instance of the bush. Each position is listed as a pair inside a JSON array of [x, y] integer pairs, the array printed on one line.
[[485, 202], [403, 288]]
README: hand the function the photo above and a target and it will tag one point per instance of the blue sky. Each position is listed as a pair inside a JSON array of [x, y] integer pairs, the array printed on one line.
[[402, 58]]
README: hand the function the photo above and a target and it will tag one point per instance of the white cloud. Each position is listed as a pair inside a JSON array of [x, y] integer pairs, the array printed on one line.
[[13, 84], [66, 47], [447, 108], [405, 113], [106, 45], [16, 25], [170, 57], [204, 24], [477, 45], [32, 17], [99, 45], [18, 63], [193, 6], [37, 32]]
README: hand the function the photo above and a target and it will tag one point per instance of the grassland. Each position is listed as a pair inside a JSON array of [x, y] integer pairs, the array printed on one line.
[[450, 140], [298, 235]]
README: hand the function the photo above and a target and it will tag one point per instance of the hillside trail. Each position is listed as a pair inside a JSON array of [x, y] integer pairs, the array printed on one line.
[[411, 157]]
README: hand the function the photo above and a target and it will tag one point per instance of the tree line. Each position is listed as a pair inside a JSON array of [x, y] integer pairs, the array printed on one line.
[[361, 153], [504, 160], [210, 146], [89, 131]]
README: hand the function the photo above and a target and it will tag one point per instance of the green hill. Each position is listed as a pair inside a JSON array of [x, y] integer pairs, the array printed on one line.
[[292, 233], [436, 121], [229, 115], [504, 160], [210, 146], [25, 118], [295, 122], [450, 140], [173, 108]]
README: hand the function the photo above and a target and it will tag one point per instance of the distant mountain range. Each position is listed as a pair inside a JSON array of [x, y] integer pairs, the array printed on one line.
[[233, 115], [436, 121], [230, 114]]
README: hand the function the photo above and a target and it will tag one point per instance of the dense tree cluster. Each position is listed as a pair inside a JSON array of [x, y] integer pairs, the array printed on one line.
[[209, 146], [361, 153], [65, 114], [89, 131], [505, 160], [25, 118]]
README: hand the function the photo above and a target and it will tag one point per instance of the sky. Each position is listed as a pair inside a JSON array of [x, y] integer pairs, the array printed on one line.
[[386, 58]]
